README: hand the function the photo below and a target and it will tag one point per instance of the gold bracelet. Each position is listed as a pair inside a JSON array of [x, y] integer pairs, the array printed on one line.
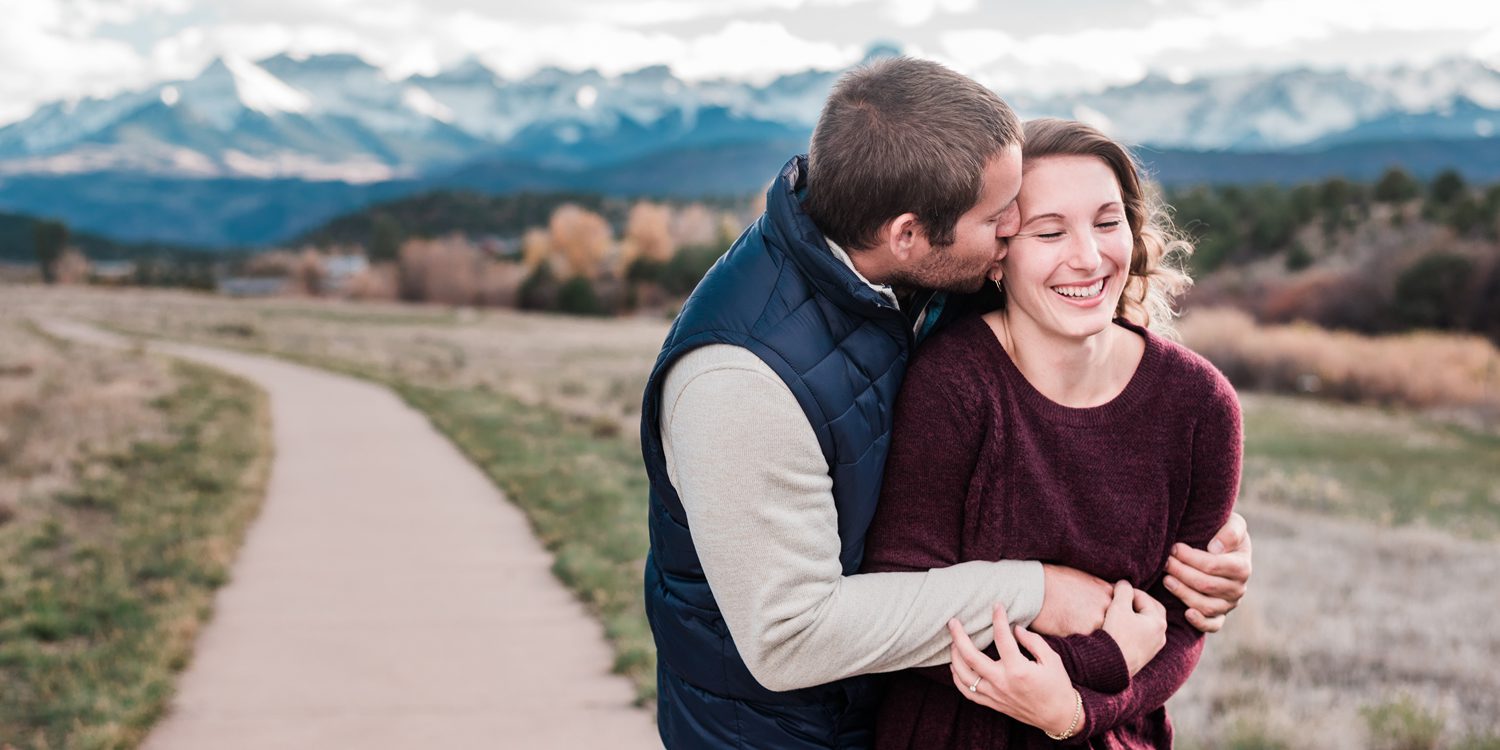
[[1077, 714]]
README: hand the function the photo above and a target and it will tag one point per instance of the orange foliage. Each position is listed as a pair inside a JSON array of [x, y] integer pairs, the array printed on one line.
[[581, 238]]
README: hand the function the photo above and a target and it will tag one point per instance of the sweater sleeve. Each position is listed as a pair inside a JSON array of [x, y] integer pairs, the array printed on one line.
[[1217, 450], [759, 501], [920, 520]]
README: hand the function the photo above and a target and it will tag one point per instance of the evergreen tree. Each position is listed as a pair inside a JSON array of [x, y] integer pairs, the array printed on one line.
[[1396, 186], [51, 237], [385, 239], [1447, 187]]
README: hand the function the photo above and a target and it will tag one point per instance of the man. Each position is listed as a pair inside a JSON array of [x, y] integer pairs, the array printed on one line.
[[766, 422]]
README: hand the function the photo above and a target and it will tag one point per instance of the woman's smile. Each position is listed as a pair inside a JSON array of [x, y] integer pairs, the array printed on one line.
[[1085, 294]]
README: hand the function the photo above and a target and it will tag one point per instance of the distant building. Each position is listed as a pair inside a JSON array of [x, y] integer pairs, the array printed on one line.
[[113, 271], [339, 270]]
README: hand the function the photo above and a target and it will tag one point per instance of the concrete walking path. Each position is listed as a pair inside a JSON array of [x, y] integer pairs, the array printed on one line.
[[387, 596]]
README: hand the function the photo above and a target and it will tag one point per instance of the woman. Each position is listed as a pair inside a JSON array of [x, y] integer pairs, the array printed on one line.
[[1062, 427]]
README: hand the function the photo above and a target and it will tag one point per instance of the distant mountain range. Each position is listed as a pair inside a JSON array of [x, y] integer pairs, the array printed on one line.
[[250, 153]]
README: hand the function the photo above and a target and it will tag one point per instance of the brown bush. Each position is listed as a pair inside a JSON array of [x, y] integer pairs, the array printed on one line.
[[1325, 297], [648, 234], [71, 267], [378, 282], [281, 264], [308, 274], [1425, 370], [695, 225], [581, 238], [500, 284], [443, 270]]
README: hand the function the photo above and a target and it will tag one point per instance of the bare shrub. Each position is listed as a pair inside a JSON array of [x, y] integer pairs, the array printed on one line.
[[308, 274], [280, 264], [648, 233], [378, 282], [71, 267], [1425, 370], [500, 284], [444, 270], [694, 224], [581, 238]]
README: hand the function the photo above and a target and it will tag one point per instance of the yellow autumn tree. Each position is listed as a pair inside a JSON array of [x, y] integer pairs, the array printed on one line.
[[581, 238], [536, 247]]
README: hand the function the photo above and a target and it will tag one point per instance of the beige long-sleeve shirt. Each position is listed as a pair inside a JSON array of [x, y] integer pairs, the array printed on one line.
[[759, 502]]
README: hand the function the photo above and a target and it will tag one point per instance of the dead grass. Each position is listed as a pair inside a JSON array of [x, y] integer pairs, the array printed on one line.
[[1421, 370], [132, 483], [1344, 618]]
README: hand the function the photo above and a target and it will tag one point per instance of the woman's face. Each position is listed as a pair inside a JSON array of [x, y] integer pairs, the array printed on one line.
[[1066, 269]]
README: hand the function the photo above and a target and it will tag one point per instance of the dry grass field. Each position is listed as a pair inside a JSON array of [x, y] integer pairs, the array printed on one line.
[[1377, 529], [126, 483]]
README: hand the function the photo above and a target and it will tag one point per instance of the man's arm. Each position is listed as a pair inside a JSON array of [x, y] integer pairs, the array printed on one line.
[[759, 502], [1212, 582]]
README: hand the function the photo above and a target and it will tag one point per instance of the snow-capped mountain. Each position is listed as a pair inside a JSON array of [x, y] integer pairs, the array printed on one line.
[[1290, 109], [253, 152], [337, 117]]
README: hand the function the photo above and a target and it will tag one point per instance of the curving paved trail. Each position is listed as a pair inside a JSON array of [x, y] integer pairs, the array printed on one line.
[[387, 596]]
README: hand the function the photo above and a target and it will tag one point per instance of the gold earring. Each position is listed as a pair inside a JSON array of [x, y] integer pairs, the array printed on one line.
[[999, 285]]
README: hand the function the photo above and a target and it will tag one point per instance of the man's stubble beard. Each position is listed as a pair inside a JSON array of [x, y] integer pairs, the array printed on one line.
[[942, 274]]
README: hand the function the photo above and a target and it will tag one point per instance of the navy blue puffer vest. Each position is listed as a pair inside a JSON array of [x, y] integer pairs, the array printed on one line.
[[842, 349]]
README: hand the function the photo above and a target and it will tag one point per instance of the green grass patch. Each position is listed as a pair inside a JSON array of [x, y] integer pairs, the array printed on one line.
[[1387, 467], [585, 495], [102, 595]]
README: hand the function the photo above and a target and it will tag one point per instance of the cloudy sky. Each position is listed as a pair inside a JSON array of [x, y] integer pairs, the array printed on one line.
[[55, 49]]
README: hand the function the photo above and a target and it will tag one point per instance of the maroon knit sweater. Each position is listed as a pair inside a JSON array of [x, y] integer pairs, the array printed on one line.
[[984, 467]]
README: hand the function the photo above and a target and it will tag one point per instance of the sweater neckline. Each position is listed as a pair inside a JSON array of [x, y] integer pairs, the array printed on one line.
[[1142, 382]]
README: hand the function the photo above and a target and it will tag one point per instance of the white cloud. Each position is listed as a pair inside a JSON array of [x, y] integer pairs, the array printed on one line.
[[740, 51], [917, 12], [1270, 33], [52, 49], [45, 58]]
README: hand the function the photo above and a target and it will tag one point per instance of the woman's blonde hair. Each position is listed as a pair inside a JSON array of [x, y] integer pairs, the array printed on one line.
[[1156, 277]]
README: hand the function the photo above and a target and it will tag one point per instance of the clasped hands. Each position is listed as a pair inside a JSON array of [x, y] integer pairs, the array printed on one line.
[[1038, 690]]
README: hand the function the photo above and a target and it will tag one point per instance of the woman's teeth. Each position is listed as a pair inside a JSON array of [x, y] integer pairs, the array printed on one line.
[[1081, 292]]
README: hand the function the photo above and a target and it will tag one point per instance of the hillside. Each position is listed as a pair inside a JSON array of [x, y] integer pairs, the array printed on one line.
[[18, 244]]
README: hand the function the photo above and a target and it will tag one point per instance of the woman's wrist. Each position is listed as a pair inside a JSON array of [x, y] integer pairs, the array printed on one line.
[[1067, 719]]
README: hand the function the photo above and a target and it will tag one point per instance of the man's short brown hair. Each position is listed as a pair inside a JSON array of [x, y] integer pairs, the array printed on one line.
[[902, 135]]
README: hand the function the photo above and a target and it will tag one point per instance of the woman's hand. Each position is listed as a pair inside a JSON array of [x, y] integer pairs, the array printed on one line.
[[1138, 623], [1038, 692]]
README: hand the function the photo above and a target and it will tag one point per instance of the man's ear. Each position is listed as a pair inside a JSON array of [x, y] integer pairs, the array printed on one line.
[[905, 237]]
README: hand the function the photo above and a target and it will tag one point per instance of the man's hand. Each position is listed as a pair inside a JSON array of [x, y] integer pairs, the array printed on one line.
[[1073, 602], [1211, 583], [1138, 624]]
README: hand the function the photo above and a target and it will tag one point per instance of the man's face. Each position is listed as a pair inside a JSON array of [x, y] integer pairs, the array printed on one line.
[[977, 245]]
